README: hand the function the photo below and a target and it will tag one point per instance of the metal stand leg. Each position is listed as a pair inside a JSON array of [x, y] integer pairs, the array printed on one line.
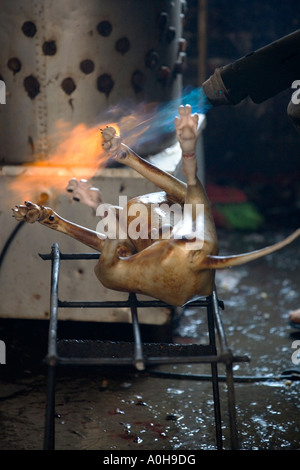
[[231, 407], [217, 408], [138, 360], [49, 438], [228, 360], [214, 373]]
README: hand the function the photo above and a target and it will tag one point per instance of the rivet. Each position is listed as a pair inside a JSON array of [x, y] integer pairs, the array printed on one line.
[[105, 84], [163, 20], [137, 81], [122, 45], [68, 85], [49, 48], [182, 20], [171, 34], [29, 29], [151, 59], [14, 64], [180, 63], [104, 28], [164, 74], [181, 45], [32, 86], [87, 66]]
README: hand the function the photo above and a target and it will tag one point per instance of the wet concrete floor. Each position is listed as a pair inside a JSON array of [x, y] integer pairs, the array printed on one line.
[[121, 409]]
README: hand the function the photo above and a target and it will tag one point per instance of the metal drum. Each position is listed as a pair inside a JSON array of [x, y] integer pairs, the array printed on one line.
[[74, 60]]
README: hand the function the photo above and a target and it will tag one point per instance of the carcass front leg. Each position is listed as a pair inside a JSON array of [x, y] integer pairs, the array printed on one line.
[[112, 143], [82, 191], [30, 212]]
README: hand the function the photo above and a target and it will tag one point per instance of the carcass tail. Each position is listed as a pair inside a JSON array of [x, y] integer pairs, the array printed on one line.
[[221, 262]]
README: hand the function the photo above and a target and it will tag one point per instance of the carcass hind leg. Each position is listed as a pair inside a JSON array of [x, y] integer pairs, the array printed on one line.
[[186, 126]]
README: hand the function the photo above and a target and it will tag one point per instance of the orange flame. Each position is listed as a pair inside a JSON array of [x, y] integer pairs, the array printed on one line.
[[79, 154]]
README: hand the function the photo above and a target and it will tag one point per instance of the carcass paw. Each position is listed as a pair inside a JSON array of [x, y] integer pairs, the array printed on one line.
[[29, 212]]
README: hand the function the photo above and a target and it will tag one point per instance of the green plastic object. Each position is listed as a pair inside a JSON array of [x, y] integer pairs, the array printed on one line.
[[242, 216]]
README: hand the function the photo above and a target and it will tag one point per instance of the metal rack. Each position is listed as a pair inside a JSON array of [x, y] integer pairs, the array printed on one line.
[[137, 354]]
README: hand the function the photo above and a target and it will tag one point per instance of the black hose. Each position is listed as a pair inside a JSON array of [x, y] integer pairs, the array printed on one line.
[[9, 241]]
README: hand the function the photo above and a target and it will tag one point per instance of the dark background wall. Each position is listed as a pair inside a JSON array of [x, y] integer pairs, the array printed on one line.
[[252, 147]]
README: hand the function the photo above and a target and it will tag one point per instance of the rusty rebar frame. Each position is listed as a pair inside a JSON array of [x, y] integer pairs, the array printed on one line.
[[139, 357]]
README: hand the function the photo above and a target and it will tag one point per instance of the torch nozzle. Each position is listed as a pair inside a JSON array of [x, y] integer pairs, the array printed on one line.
[[260, 75]]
